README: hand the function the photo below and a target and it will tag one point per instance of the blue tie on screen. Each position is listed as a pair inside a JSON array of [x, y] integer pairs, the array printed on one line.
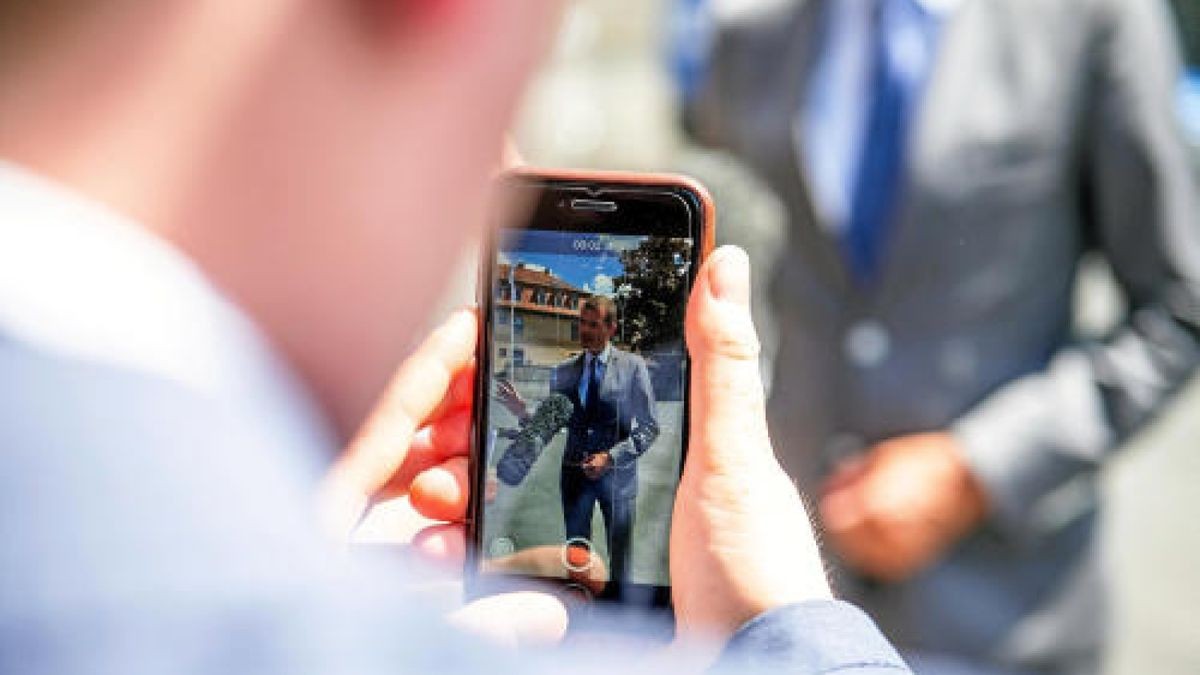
[[900, 56], [593, 389]]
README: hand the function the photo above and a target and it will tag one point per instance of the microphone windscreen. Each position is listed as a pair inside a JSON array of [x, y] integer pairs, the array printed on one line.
[[551, 415]]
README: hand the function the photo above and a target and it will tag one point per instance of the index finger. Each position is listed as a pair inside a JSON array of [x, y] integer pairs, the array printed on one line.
[[416, 392]]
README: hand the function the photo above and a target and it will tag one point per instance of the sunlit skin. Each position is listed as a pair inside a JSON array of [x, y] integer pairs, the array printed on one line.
[[595, 329], [895, 511]]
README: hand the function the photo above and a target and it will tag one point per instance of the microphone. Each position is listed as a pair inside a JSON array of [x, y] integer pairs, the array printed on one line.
[[552, 414]]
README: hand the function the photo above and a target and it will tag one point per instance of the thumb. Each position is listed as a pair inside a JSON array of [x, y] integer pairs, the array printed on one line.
[[740, 538], [518, 619], [727, 390]]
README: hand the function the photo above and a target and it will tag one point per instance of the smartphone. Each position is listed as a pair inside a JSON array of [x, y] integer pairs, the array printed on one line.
[[581, 400]]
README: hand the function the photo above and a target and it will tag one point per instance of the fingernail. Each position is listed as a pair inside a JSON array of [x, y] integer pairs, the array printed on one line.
[[730, 275]]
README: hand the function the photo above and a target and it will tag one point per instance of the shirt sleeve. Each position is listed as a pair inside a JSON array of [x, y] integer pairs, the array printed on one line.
[[819, 636]]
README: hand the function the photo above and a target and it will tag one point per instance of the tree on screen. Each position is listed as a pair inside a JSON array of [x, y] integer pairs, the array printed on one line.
[[652, 291]]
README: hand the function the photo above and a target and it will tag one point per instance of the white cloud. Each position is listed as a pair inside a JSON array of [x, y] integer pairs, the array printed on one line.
[[602, 284]]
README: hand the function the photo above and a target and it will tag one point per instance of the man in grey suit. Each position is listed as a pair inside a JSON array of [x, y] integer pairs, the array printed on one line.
[[946, 165], [612, 424]]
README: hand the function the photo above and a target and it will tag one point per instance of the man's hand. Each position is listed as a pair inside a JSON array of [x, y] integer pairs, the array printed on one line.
[[413, 449], [741, 541], [508, 396], [595, 466], [414, 444], [896, 510]]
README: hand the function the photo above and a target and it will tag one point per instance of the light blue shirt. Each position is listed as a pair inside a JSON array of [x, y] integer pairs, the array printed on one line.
[[832, 119], [1189, 105]]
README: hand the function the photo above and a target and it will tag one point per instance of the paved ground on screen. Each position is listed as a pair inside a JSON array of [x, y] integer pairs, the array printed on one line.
[[531, 513]]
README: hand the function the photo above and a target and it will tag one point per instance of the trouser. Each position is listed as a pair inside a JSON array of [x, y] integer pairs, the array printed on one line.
[[579, 497]]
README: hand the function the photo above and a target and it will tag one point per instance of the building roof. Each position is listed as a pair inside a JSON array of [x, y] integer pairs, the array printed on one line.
[[535, 277]]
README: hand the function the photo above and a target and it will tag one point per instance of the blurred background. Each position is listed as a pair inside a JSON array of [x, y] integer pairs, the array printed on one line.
[[607, 99]]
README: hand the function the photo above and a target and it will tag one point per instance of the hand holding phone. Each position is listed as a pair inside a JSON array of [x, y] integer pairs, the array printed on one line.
[[734, 552], [583, 380], [741, 540]]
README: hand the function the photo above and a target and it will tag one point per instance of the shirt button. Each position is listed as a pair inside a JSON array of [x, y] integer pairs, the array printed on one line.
[[867, 343]]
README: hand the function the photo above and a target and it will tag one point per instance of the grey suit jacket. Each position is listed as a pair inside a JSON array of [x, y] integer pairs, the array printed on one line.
[[1047, 131], [626, 424]]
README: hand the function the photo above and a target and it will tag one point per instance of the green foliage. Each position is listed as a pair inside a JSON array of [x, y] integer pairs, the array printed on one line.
[[652, 292]]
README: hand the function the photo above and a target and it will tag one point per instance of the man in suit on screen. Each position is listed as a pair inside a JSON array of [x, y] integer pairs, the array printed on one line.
[[613, 423]]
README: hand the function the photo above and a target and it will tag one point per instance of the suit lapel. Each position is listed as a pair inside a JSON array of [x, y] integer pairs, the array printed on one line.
[[906, 254], [817, 243], [610, 373], [910, 254], [577, 375]]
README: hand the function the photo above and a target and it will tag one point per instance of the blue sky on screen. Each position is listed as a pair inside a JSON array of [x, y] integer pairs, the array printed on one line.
[[588, 261]]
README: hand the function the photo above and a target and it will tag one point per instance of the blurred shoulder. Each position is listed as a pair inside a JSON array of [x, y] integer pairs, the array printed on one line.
[[114, 454]]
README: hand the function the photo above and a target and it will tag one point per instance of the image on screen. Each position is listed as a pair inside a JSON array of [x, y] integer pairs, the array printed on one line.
[[586, 412]]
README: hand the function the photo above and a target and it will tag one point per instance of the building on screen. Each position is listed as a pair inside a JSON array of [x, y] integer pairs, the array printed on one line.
[[536, 319]]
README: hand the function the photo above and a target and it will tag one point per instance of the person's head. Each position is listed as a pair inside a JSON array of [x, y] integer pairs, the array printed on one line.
[[323, 160], [597, 323]]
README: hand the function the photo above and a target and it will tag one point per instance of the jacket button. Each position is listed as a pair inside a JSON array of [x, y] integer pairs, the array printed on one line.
[[867, 343]]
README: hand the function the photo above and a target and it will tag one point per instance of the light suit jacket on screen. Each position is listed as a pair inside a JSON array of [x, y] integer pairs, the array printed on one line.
[[1046, 131], [626, 424]]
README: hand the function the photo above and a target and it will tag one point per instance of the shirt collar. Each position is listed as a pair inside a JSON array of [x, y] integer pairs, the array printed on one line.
[[604, 355]]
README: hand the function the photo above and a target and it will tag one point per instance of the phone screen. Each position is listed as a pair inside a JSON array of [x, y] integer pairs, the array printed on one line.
[[584, 417]]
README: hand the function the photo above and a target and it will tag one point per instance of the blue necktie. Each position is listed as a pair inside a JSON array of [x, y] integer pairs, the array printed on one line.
[[901, 34], [592, 402]]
